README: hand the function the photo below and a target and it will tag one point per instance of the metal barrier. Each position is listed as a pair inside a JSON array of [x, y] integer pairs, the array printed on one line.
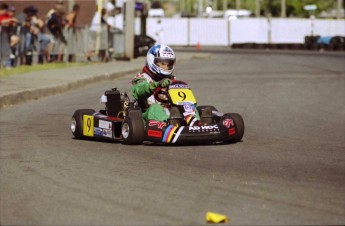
[[81, 42], [5, 49]]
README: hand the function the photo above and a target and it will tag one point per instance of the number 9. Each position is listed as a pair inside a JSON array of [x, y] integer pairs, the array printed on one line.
[[88, 123], [182, 95]]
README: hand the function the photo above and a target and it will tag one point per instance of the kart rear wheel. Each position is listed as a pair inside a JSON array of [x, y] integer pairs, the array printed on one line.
[[77, 122], [239, 125], [132, 130]]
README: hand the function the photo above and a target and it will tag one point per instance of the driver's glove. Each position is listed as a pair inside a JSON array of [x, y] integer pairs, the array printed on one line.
[[163, 83]]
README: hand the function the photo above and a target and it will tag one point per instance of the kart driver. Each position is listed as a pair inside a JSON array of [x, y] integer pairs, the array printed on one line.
[[157, 72]]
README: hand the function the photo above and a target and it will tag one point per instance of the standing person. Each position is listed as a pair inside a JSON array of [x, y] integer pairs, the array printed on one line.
[[55, 22], [71, 32], [98, 36], [34, 30]]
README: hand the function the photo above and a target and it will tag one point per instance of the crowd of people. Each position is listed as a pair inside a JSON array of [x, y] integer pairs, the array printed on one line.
[[50, 36]]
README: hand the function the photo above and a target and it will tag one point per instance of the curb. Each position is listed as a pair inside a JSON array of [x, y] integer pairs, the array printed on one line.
[[23, 96], [32, 94]]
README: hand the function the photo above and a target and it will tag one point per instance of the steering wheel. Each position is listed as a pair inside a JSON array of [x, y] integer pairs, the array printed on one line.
[[161, 94]]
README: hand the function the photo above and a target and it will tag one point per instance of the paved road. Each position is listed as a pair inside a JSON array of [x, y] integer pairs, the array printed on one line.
[[289, 169]]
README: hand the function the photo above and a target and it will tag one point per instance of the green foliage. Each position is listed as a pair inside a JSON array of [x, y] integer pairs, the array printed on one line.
[[294, 8], [36, 67]]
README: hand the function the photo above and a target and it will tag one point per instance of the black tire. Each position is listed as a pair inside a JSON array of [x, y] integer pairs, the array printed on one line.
[[132, 130], [77, 122], [239, 124]]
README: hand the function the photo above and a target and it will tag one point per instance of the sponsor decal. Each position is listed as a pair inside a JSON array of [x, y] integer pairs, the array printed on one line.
[[98, 131], [231, 131], [198, 129], [168, 134], [188, 108], [228, 122], [154, 133], [167, 52], [159, 124], [104, 124], [179, 86], [178, 134], [190, 119], [107, 133]]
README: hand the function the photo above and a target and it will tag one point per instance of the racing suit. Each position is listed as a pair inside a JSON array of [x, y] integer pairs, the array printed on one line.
[[143, 93]]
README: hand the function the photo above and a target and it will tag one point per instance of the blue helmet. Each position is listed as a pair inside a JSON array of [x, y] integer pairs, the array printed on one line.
[[163, 54]]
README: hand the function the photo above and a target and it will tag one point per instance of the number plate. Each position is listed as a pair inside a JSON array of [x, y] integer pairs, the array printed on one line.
[[182, 95], [88, 125]]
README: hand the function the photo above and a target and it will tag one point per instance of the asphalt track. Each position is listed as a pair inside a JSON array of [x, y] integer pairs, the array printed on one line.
[[289, 169]]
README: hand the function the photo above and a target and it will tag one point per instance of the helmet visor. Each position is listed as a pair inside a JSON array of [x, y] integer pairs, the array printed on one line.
[[165, 62]]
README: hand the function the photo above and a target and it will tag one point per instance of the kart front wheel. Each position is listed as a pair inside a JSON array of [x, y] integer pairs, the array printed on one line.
[[132, 130], [77, 122], [239, 126]]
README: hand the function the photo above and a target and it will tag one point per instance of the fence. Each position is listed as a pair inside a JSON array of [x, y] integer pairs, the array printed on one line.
[[81, 42], [224, 32]]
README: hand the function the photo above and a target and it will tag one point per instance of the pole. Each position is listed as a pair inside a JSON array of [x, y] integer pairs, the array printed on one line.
[[339, 6], [225, 5], [129, 29], [200, 8], [98, 30], [283, 9], [257, 8], [70, 5], [215, 5], [238, 4], [269, 23]]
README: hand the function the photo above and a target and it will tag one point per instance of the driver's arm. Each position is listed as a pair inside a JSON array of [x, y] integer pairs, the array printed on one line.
[[142, 89]]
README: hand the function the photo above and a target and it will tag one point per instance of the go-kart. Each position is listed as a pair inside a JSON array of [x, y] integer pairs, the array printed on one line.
[[121, 120]]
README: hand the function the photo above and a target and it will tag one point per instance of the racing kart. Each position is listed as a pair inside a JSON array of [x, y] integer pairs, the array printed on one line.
[[121, 120]]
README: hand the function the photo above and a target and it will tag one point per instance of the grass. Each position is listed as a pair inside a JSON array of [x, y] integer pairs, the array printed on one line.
[[37, 67]]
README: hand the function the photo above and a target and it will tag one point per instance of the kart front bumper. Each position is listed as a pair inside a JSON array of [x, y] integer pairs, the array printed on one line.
[[190, 134]]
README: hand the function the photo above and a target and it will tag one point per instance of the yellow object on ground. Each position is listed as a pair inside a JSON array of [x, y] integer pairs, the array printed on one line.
[[216, 218]]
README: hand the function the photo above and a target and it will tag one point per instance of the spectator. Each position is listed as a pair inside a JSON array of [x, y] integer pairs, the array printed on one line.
[[55, 23], [9, 26], [71, 32], [35, 31], [111, 22], [98, 36]]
